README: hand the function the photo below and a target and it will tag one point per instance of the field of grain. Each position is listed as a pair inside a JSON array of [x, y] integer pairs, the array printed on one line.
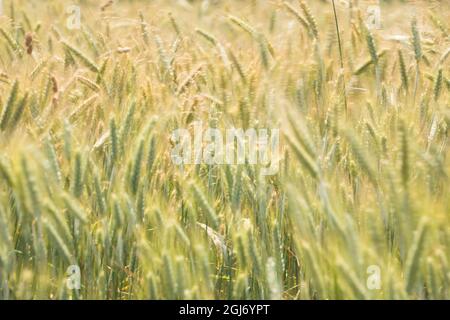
[[92, 205]]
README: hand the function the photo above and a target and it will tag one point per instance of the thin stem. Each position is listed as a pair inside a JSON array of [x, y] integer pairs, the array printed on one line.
[[340, 55], [416, 83]]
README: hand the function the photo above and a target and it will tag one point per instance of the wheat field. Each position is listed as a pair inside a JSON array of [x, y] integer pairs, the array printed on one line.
[[90, 94]]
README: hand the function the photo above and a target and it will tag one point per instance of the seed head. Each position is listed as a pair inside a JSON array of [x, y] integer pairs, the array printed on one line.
[[29, 43]]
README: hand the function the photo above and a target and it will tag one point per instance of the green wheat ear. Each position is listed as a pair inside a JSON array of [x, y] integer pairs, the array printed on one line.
[[296, 14], [5, 172], [416, 40], [80, 56], [405, 163], [144, 28], [207, 36], [8, 109], [403, 72], [77, 176], [200, 197], [310, 18], [418, 54], [438, 85], [136, 168], [174, 24], [372, 49], [21, 105], [11, 42]]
